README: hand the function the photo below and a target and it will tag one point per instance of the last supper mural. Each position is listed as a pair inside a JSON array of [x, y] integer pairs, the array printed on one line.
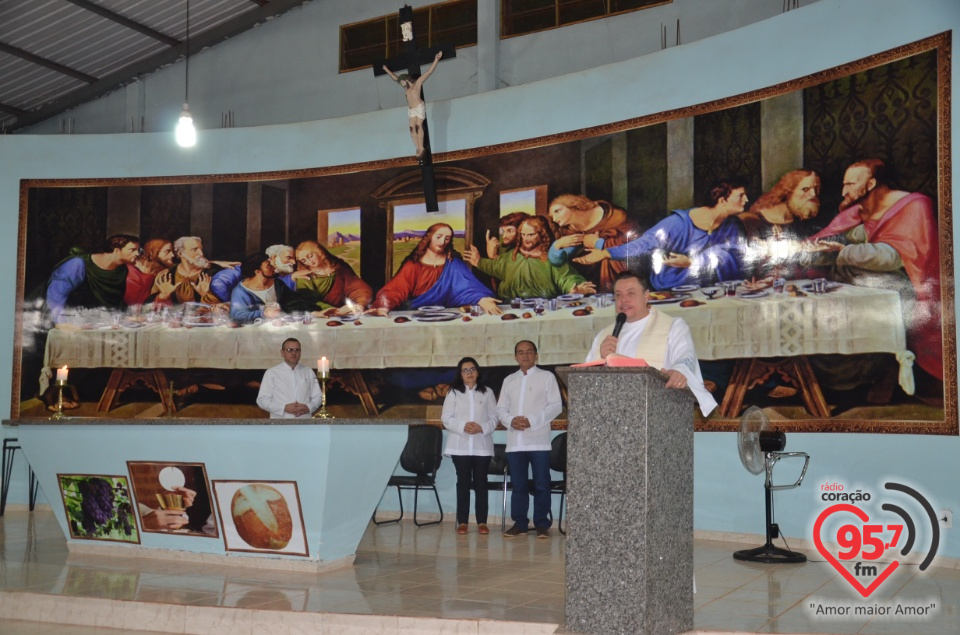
[[816, 282]]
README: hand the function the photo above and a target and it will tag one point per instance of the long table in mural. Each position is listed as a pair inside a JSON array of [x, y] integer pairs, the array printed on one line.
[[785, 327]]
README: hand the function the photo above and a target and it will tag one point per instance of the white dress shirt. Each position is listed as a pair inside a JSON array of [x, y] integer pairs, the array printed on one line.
[[283, 385], [680, 356], [536, 396], [459, 408]]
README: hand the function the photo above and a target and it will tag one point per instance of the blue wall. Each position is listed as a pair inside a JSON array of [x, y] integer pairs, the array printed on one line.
[[795, 44]]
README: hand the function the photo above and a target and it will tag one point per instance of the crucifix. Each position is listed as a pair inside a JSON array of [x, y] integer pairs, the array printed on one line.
[[410, 62]]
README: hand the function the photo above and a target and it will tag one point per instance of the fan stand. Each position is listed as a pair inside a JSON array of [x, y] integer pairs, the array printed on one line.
[[769, 553]]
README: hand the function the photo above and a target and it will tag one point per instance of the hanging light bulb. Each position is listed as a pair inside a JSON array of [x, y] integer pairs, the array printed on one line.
[[186, 134]]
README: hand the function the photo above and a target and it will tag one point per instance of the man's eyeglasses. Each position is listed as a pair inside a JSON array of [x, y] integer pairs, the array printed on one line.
[[468, 370], [292, 350]]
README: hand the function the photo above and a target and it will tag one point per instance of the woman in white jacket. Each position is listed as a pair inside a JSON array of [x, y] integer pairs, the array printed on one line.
[[470, 416]]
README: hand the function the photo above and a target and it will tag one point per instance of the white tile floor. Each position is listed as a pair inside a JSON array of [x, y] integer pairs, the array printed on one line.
[[409, 580]]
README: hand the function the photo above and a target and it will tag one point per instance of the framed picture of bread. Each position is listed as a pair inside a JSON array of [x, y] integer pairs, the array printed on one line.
[[173, 498], [261, 517]]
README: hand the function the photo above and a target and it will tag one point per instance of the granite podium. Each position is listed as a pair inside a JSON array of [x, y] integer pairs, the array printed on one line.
[[629, 557]]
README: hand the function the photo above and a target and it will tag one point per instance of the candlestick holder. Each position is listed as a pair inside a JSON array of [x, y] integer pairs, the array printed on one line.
[[322, 413], [58, 415]]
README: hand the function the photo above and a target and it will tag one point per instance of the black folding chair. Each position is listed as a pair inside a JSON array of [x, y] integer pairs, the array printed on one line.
[[421, 457], [558, 463]]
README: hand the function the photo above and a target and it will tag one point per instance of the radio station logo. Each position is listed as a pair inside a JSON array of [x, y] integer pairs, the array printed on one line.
[[862, 540]]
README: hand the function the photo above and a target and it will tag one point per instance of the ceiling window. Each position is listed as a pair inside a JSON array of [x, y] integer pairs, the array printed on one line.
[[367, 43], [520, 17]]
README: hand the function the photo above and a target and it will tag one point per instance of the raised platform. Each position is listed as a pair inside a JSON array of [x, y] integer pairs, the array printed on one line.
[[332, 474]]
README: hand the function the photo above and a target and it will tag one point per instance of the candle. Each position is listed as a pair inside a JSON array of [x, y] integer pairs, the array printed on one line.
[[62, 374], [324, 366]]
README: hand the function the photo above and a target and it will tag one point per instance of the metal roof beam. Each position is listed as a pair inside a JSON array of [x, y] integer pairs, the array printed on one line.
[[125, 75], [11, 109], [127, 22], [42, 61]]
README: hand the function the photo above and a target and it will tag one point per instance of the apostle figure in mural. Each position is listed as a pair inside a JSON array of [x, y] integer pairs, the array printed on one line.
[[700, 245], [509, 227], [258, 296], [887, 238], [774, 247], [594, 225], [525, 272], [326, 285], [281, 257], [508, 231], [434, 274], [189, 281], [416, 108], [93, 280], [157, 255], [795, 197]]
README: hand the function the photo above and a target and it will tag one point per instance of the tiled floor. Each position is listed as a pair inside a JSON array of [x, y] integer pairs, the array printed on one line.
[[405, 578]]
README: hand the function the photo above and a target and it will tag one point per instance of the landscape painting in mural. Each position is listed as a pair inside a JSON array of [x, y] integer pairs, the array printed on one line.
[[809, 255]]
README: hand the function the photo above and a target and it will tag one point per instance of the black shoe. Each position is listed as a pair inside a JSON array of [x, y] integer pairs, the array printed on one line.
[[515, 531], [543, 532]]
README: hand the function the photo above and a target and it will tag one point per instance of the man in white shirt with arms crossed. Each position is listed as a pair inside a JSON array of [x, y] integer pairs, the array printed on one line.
[[529, 401], [289, 390]]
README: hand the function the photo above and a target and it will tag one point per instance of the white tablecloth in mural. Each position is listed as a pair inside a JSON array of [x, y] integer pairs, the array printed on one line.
[[846, 320], [377, 342]]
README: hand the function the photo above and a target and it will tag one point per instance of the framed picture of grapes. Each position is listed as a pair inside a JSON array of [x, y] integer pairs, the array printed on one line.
[[98, 507], [261, 517]]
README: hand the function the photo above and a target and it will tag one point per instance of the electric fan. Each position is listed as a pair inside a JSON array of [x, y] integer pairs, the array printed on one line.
[[761, 449]]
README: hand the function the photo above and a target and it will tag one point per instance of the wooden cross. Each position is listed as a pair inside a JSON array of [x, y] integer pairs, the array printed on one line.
[[410, 62]]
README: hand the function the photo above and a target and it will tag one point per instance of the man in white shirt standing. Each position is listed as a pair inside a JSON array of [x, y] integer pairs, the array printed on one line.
[[289, 390], [529, 401], [662, 341]]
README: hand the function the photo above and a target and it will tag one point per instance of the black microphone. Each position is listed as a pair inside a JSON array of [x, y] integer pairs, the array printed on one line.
[[621, 320]]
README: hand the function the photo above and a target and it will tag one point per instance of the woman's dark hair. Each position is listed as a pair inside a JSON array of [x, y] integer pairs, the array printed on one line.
[[458, 380]]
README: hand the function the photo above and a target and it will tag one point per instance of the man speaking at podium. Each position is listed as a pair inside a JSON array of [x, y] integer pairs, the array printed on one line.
[[645, 333]]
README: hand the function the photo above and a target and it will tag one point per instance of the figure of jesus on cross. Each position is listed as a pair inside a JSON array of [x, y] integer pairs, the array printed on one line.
[[416, 107], [412, 82]]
